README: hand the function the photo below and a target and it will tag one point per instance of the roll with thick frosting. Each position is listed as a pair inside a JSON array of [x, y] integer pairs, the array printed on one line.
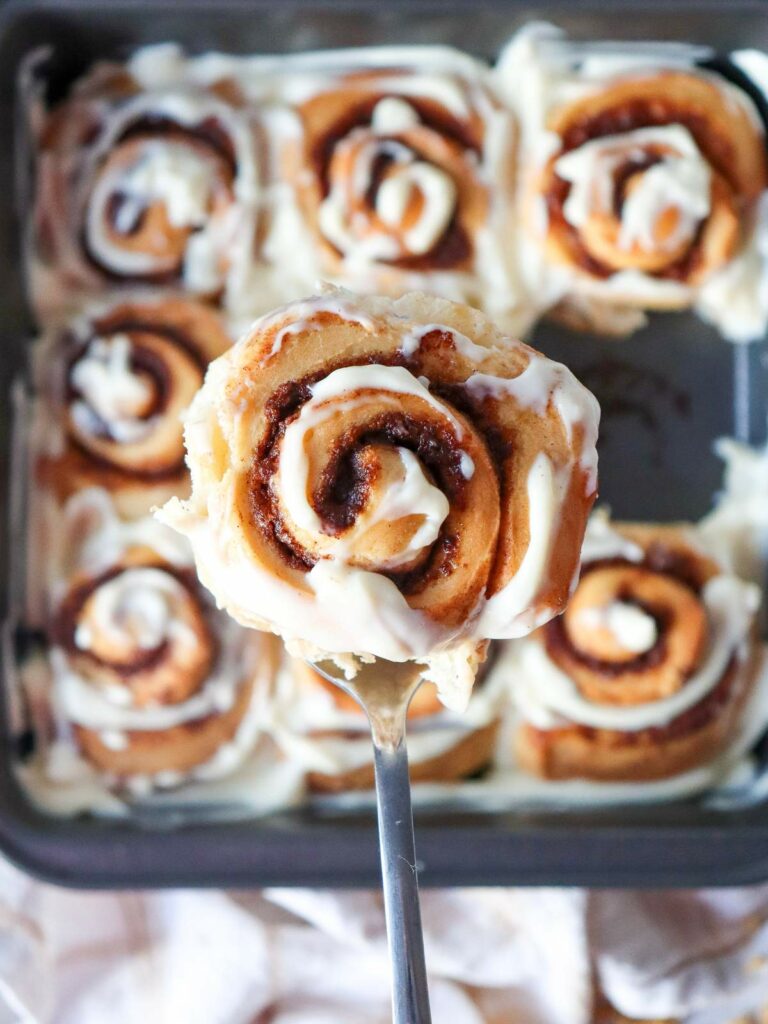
[[398, 163], [151, 682], [139, 182], [640, 182], [115, 384], [388, 479], [645, 674]]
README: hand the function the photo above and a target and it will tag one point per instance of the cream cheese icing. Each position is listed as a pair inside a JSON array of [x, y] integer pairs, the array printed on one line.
[[539, 70], [546, 696], [113, 393]]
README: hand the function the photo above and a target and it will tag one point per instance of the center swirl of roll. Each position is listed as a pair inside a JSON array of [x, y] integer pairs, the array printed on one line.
[[638, 199], [126, 392], [362, 491], [398, 189], [630, 634], [140, 633], [159, 189]]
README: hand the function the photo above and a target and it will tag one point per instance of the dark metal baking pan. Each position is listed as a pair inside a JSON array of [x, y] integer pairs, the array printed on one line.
[[667, 394]]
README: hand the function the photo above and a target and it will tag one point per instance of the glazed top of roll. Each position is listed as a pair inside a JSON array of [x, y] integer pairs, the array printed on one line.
[[392, 171], [641, 175], [398, 157], [151, 181], [136, 641], [123, 373], [388, 478], [653, 628]]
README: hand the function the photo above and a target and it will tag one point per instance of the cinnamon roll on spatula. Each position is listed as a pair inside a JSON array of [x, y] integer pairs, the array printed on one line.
[[640, 186], [646, 673], [114, 383], [388, 479]]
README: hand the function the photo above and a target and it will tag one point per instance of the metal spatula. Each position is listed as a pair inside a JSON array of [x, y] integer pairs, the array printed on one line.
[[384, 690]]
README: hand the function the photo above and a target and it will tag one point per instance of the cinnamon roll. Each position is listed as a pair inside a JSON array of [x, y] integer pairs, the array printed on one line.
[[645, 674], [151, 682], [398, 161], [389, 479], [143, 183], [320, 727], [640, 185], [116, 382]]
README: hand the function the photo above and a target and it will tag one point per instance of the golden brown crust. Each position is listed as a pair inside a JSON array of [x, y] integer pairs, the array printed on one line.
[[179, 748], [604, 755], [471, 754]]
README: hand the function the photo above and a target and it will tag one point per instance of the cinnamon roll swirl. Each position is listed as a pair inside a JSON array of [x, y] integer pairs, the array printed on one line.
[[320, 727], [143, 184], [645, 674], [149, 679], [388, 479], [640, 185], [117, 382], [399, 163]]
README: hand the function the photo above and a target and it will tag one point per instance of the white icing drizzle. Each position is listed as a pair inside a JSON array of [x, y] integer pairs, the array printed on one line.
[[135, 609], [171, 174], [543, 382], [632, 628], [463, 345], [186, 180], [113, 393], [602, 541], [736, 530], [508, 613], [735, 298], [681, 181], [438, 194], [88, 536], [165, 172], [393, 115], [302, 317], [352, 232]]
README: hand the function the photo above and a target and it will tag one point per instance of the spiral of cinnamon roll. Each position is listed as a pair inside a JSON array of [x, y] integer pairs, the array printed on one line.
[[400, 173], [148, 676], [653, 174], [645, 674], [389, 479], [639, 185], [118, 380], [143, 186], [323, 729]]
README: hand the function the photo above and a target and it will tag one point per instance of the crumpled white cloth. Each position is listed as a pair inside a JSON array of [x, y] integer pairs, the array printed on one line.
[[315, 957]]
